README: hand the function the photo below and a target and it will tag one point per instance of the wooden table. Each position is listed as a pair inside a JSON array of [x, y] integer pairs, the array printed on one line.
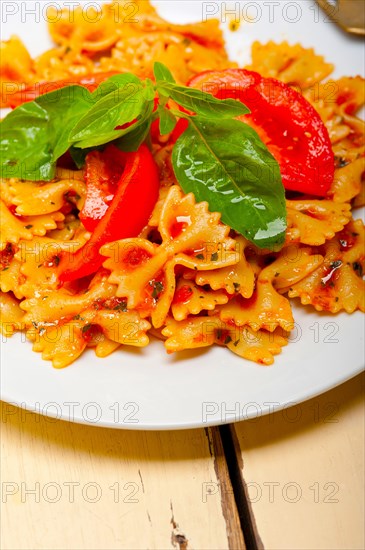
[[292, 479]]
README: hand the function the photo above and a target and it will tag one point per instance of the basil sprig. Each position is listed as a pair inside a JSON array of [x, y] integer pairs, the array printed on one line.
[[221, 160]]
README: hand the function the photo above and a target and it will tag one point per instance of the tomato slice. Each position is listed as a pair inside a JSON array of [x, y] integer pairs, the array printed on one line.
[[289, 126], [102, 172], [135, 196], [30, 93]]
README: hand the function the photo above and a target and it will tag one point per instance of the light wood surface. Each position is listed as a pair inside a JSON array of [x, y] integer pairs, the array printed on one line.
[[304, 471], [151, 490]]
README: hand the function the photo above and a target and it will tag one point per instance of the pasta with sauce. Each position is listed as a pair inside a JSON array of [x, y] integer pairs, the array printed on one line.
[[187, 278]]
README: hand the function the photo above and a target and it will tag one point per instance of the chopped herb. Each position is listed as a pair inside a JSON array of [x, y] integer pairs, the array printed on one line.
[[228, 339], [237, 287], [5, 268], [186, 41], [341, 162], [56, 260], [85, 328], [28, 226], [354, 234], [214, 257], [219, 333], [53, 202], [336, 264], [35, 324], [277, 274], [199, 256], [157, 289], [336, 299], [236, 343], [121, 307], [76, 317]]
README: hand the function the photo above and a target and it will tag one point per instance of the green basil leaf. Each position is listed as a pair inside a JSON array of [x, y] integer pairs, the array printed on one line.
[[202, 103], [35, 134], [167, 120], [117, 108], [112, 85], [226, 164], [132, 141], [162, 73], [137, 133], [79, 155]]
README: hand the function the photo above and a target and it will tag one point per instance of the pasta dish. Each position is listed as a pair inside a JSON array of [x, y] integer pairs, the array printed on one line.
[[150, 187]]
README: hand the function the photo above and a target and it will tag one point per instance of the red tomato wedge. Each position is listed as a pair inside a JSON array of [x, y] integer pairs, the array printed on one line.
[[135, 196], [102, 173], [289, 126], [30, 93]]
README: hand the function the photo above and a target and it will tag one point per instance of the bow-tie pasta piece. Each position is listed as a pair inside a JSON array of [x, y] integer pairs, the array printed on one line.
[[189, 227], [40, 225], [347, 181], [10, 275], [14, 228], [192, 299], [191, 333], [11, 228], [56, 305], [266, 309], [293, 64], [313, 222], [191, 237], [337, 101], [338, 283], [105, 347], [198, 332], [63, 343], [11, 316], [99, 36], [33, 199], [237, 278], [258, 346], [39, 260], [16, 65], [293, 264]]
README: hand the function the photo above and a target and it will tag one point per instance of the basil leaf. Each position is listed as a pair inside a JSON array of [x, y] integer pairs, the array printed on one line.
[[162, 73], [112, 84], [35, 134], [167, 120], [132, 141], [117, 108], [202, 103], [79, 155], [137, 133], [226, 164]]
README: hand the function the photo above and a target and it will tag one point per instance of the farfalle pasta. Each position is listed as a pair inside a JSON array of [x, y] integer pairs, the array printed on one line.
[[187, 277]]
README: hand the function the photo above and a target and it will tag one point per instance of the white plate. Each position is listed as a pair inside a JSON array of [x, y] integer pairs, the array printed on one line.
[[149, 389]]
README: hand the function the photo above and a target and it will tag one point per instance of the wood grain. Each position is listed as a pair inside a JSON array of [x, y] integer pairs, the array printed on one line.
[[111, 488], [304, 471]]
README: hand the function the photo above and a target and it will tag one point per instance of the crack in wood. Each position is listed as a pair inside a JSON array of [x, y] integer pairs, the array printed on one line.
[[229, 507], [178, 539], [235, 465], [140, 477]]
